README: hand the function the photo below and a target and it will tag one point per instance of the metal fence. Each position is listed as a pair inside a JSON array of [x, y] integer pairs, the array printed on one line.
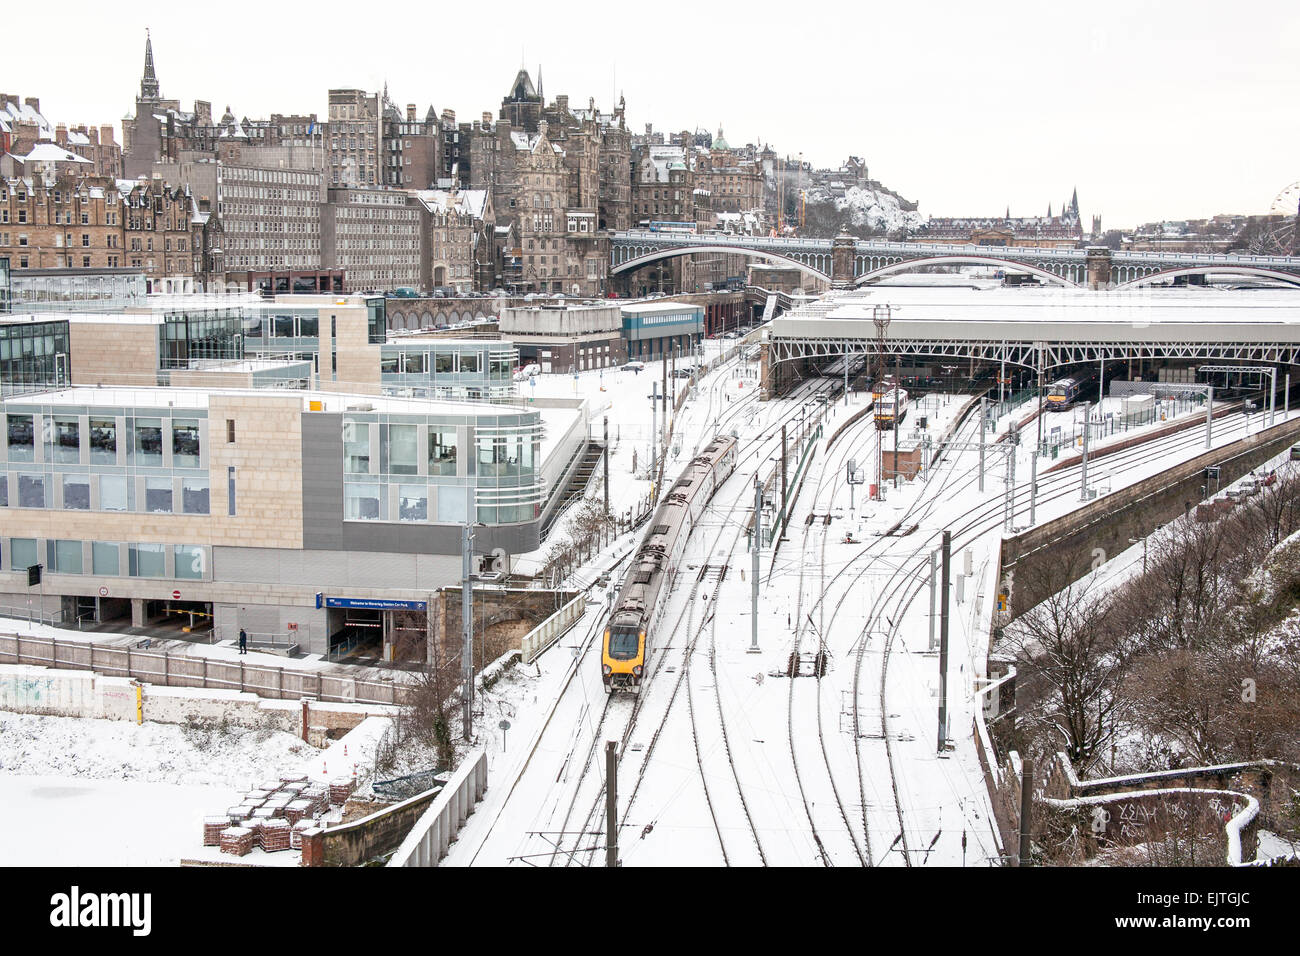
[[182, 670]]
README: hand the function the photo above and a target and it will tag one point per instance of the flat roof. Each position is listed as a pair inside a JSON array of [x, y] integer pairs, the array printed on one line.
[[182, 397], [660, 307], [1050, 314]]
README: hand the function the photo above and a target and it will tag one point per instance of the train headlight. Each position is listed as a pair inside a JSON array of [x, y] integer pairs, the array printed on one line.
[[606, 669], [636, 671]]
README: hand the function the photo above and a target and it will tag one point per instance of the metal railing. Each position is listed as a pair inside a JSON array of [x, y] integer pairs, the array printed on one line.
[[428, 840]]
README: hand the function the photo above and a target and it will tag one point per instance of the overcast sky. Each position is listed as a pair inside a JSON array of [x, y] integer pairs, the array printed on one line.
[[1154, 110]]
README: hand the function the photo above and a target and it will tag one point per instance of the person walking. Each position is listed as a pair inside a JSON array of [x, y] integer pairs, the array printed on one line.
[[243, 641]]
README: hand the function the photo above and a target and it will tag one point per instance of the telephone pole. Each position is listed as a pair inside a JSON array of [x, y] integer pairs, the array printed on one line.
[[467, 632], [754, 573], [946, 570], [611, 803]]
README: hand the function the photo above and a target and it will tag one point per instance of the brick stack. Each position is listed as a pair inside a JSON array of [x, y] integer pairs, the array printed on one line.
[[257, 797], [237, 840], [278, 801], [275, 835], [297, 809], [295, 834], [270, 786], [340, 790], [290, 778], [212, 827], [318, 794]]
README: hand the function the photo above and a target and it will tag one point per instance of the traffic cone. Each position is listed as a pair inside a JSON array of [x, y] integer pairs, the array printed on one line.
[[324, 769]]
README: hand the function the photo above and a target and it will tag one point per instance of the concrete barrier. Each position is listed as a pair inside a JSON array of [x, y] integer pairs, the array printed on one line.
[[548, 632], [428, 840]]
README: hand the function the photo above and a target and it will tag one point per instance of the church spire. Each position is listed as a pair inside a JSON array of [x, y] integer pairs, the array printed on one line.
[[148, 82]]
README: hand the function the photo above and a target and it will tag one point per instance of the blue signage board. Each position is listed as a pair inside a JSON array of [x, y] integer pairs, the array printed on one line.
[[376, 604]]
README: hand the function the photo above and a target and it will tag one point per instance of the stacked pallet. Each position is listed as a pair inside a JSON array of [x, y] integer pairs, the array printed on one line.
[[275, 835], [340, 789], [296, 832], [237, 840], [212, 827], [297, 809]]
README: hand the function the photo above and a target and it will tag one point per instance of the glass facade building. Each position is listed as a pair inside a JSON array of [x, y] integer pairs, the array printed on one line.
[[443, 368], [33, 356]]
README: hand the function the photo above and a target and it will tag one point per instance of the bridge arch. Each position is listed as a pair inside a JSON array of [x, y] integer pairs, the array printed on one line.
[[1251, 271], [907, 264], [645, 259]]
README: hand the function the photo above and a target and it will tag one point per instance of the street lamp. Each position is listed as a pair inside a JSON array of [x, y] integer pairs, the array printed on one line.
[[1144, 551]]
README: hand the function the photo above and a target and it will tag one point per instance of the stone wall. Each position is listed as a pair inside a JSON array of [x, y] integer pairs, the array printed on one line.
[[1108, 522], [366, 839]]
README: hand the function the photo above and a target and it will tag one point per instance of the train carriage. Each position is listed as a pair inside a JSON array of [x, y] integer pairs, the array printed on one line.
[[631, 631]]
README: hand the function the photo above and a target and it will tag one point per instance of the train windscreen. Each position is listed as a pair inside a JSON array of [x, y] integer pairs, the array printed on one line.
[[622, 642]]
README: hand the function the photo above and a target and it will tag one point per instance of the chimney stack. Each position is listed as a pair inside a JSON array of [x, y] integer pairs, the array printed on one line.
[[33, 102], [487, 119], [410, 112]]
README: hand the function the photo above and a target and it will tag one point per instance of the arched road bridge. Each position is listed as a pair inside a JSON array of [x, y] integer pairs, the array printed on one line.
[[846, 262]]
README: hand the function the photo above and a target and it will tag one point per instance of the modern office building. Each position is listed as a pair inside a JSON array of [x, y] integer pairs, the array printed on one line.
[[655, 329], [310, 516], [567, 337]]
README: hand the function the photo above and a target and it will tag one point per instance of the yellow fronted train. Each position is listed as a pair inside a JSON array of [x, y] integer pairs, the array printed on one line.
[[631, 630]]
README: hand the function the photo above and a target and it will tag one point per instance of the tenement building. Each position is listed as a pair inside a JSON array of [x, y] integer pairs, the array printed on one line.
[[374, 236]]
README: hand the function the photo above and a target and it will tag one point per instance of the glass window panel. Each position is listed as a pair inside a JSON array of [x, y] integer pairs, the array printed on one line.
[[113, 493], [469, 362], [361, 502], [451, 504], [413, 502], [185, 443], [189, 562], [158, 495], [442, 451], [31, 491], [444, 363], [283, 326], [148, 442], [22, 552], [76, 492], [148, 560], [103, 441], [104, 558], [22, 437], [194, 496], [356, 447], [4, 491], [67, 557], [415, 363], [308, 327], [389, 365], [403, 450], [67, 440]]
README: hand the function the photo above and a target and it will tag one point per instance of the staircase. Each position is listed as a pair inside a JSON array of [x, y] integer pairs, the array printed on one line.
[[579, 479]]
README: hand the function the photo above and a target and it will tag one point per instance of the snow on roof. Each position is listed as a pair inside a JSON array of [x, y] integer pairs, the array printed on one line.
[[15, 112], [467, 201], [52, 153]]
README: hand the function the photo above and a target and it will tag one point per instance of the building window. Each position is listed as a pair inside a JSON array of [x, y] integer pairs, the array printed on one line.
[[442, 451], [148, 442], [76, 492], [31, 491], [22, 437], [361, 502], [356, 448], [67, 441], [147, 560], [230, 431], [185, 443], [114, 493], [413, 502], [158, 495], [403, 450], [189, 562], [194, 496], [65, 557], [103, 441], [104, 558], [22, 552]]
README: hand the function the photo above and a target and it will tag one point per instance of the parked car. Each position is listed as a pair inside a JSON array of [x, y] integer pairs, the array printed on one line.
[[635, 366]]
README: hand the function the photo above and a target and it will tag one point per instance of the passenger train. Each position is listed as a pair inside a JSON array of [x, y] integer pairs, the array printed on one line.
[[636, 615], [887, 416], [1063, 392]]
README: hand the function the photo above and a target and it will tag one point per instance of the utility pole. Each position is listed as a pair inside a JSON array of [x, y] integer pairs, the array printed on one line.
[[654, 428], [983, 422], [1083, 471], [757, 544], [898, 412], [606, 466], [846, 377], [1033, 487], [1286, 395], [934, 586], [1026, 808], [611, 803], [467, 631], [946, 561], [1272, 398], [1209, 415], [785, 489]]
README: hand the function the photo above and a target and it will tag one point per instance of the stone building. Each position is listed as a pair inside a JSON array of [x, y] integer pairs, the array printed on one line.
[[355, 128], [458, 231], [412, 155], [373, 235], [158, 231], [1063, 231], [49, 222]]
